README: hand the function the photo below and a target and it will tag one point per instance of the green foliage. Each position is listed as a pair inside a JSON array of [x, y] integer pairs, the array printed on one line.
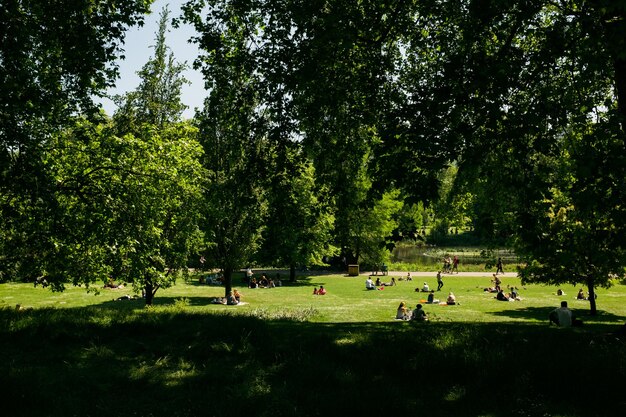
[[127, 206], [299, 225], [233, 136], [373, 226], [157, 100], [56, 56]]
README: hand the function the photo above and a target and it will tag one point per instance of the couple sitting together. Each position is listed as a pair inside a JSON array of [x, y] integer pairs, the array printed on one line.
[[403, 313]]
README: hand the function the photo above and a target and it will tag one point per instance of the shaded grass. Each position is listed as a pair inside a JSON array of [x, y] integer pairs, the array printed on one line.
[[168, 362], [289, 353]]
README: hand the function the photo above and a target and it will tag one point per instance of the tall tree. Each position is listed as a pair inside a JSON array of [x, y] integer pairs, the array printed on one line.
[[151, 115], [124, 196], [552, 113], [298, 229], [234, 135], [55, 56], [157, 100]]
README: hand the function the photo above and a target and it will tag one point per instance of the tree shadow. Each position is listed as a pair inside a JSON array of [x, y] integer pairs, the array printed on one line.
[[541, 314], [243, 365]]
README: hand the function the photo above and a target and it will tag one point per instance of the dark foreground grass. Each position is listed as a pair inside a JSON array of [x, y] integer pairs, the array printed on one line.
[[173, 361]]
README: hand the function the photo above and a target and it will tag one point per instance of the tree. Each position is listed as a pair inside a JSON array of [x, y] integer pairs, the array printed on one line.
[[55, 56], [234, 135], [575, 234], [552, 112], [151, 116], [126, 207], [372, 228], [123, 197], [298, 229], [157, 99], [331, 111]]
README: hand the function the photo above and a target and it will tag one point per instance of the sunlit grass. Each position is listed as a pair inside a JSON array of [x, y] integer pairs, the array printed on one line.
[[346, 300]]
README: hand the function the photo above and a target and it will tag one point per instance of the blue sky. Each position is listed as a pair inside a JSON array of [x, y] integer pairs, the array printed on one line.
[[139, 48]]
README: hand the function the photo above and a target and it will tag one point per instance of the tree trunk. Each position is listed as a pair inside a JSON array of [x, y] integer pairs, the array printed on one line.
[[614, 27], [149, 293], [228, 281], [592, 297], [292, 273]]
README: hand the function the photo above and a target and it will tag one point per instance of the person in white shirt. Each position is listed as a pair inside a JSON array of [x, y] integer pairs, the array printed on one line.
[[561, 316], [369, 284]]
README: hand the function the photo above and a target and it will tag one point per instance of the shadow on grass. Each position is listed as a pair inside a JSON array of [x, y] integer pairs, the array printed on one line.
[[301, 281], [170, 362], [541, 314]]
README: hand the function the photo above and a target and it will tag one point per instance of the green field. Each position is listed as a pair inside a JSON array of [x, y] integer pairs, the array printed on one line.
[[346, 301], [289, 353]]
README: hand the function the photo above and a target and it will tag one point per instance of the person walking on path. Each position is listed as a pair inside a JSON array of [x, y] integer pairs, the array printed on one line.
[[455, 264], [439, 281], [499, 269]]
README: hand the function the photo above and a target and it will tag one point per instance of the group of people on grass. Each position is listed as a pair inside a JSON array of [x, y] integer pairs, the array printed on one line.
[[264, 282], [404, 313], [562, 316], [418, 314], [378, 285], [320, 291], [233, 298], [501, 295]]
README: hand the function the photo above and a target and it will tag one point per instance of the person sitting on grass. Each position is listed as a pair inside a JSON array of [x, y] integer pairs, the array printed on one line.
[[369, 284], [562, 316], [237, 295], [419, 314], [263, 282], [560, 292], [315, 291], [514, 295], [451, 299], [402, 313], [581, 295], [431, 298], [501, 296], [321, 291], [496, 282], [231, 300], [408, 277], [425, 288], [377, 281]]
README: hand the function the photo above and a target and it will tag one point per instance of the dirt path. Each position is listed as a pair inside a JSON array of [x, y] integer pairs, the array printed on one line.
[[434, 274]]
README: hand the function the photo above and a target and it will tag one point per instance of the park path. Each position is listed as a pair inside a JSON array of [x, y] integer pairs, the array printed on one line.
[[434, 274]]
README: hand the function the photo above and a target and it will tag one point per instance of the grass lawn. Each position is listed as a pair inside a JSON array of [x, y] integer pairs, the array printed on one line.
[[289, 353], [347, 300]]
